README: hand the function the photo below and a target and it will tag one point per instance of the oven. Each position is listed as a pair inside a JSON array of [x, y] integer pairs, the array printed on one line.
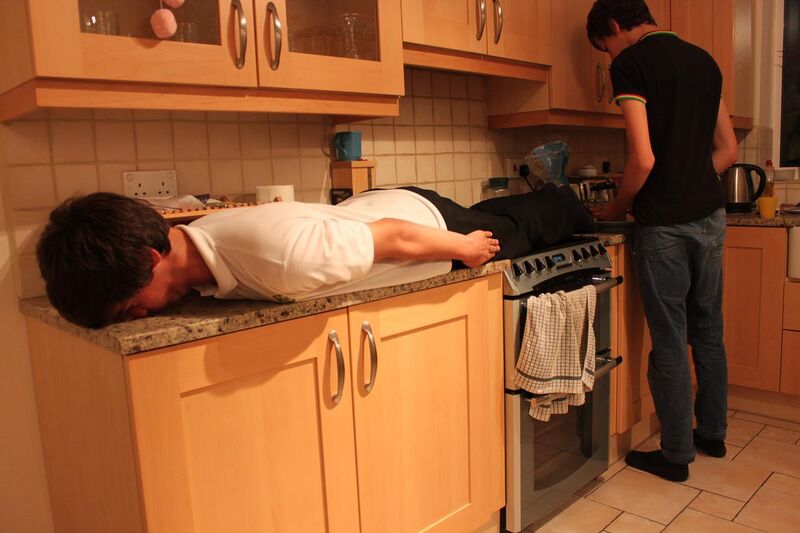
[[548, 462]]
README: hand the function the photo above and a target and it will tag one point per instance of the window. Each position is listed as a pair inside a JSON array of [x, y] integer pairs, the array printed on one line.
[[790, 100]]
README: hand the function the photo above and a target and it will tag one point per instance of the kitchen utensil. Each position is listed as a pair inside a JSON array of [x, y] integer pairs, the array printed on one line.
[[740, 191]]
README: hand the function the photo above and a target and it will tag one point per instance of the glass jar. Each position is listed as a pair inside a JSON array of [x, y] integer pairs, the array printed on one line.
[[496, 188]]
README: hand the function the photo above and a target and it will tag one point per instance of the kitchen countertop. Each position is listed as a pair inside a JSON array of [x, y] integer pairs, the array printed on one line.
[[196, 317], [753, 219]]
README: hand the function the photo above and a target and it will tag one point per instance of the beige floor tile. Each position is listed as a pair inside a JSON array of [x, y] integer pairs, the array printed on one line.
[[583, 516], [771, 510], [782, 435], [740, 432], [628, 523], [644, 495], [612, 471], [778, 423], [771, 455], [784, 483], [716, 505], [732, 451], [726, 478], [691, 521]]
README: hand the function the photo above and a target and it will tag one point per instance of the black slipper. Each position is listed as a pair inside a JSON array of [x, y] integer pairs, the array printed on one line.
[[712, 447], [654, 463]]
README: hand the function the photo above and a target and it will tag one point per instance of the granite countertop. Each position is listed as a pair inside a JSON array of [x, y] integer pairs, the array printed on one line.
[[195, 317], [753, 219]]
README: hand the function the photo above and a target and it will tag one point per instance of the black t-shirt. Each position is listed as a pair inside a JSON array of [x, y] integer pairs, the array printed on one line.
[[681, 86]]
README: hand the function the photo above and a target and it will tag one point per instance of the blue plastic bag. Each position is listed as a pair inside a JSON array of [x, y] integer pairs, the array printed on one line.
[[549, 162]]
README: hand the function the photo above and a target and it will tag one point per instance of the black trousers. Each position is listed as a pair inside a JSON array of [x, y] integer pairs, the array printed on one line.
[[523, 223]]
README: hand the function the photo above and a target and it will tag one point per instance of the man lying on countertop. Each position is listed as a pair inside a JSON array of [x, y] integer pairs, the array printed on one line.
[[106, 257]]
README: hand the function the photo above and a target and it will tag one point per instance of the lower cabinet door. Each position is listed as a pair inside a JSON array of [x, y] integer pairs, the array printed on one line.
[[427, 389], [241, 433]]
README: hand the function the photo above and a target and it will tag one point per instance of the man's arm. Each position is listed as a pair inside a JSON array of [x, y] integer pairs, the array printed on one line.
[[725, 148], [637, 168], [399, 239]]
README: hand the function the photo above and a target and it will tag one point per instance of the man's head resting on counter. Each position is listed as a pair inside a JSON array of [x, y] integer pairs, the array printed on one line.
[[99, 258]]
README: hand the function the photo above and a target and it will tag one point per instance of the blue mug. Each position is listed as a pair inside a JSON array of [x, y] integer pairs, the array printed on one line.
[[348, 145]]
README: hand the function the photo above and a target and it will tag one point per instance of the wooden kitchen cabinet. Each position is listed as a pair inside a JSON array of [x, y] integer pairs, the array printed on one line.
[[754, 274], [634, 401], [724, 28], [429, 432], [241, 432], [333, 57], [508, 29]]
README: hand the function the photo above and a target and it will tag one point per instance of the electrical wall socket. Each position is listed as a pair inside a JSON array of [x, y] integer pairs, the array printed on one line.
[[150, 183]]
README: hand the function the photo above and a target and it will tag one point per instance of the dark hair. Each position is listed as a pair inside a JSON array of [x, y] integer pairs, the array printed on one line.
[[95, 252], [627, 13]]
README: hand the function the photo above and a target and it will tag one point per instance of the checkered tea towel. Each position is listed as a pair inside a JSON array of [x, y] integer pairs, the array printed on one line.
[[558, 348]]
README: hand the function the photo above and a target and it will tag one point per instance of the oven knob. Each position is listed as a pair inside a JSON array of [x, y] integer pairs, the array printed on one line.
[[602, 249], [576, 255], [539, 265], [593, 251], [528, 267], [549, 262], [586, 254], [517, 270]]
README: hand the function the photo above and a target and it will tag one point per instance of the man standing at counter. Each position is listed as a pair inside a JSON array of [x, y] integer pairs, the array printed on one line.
[[679, 138], [106, 257]]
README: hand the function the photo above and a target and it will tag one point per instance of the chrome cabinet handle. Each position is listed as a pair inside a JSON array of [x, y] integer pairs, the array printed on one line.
[[498, 21], [481, 19], [611, 92], [237, 5], [277, 26], [373, 356], [337, 346]]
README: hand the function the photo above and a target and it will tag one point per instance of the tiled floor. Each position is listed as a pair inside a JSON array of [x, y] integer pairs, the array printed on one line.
[[756, 487]]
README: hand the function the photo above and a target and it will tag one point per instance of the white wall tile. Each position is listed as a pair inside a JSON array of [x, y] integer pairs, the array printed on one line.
[[154, 140], [191, 140], [477, 113], [286, 171], [479, 165], [314, 141], [477, 140], [443, 139], [146, 114], [422, 83], [74, 180], [387, 171], [426, 168], [223, 140], [194, 177], [463, 193], [226, 177], [255, 140], [461, 140], [25, 143], [256, 172], [113, 114], [446, 188], [424, 140], [109, 176], [406, 168], [460, 112], [458, 86], [367, 142], [30, 281], [28, 227], [285, 139], [223, 116], [115, 141], [313, 172], [423, 111], [476, 88], [442, 115], [383, 137], [444, 167], [441, 84], [406, 117], [461, 167], [404, 140], [70, 114], [188, 115], [73, 141]]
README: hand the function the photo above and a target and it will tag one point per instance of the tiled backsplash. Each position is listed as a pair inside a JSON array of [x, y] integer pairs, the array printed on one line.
[[440, 141]]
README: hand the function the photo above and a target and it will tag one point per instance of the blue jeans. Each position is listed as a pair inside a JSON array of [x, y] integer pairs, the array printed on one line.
[[679, 269]]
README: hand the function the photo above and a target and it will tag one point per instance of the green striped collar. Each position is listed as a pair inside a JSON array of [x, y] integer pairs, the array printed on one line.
[[658, 32]]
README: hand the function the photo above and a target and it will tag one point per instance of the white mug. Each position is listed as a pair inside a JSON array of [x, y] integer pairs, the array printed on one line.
[[274, 193]]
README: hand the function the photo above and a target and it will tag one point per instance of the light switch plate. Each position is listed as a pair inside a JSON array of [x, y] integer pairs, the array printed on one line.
[[150, 183]]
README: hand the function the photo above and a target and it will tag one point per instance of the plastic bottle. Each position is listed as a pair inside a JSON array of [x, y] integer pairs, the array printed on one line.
[[769, 170]]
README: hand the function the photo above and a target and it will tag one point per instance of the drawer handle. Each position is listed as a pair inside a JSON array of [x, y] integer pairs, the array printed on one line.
[[337, 346], [242, 22], [481, 19], [601, 89], [373, 356], [277, 26], [610, 93], [498, 21]]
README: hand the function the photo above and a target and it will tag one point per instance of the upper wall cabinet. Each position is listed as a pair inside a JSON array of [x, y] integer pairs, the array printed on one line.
[[725, 29], [509, 29], [344, 47]]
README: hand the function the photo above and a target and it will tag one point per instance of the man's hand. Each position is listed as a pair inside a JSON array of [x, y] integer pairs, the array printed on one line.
[[479, 248], [610, 211]]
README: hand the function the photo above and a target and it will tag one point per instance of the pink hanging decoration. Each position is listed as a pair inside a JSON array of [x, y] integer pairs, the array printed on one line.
[[163, 23]]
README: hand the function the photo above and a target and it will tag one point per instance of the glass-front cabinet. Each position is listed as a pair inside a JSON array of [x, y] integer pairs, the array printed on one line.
[[330, 45], [325, 45]]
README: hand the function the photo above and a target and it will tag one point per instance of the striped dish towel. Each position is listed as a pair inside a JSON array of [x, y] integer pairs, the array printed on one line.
[[558, 349]]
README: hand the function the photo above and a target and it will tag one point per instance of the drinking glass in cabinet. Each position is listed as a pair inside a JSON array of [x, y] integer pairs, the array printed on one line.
[[340, 29], [198, 20]]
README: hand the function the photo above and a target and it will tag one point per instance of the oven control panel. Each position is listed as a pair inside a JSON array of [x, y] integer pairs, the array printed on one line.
[[532, 271]]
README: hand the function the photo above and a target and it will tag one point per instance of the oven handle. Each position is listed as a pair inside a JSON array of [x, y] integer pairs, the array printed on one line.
[[608, 284], [606, 365]]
